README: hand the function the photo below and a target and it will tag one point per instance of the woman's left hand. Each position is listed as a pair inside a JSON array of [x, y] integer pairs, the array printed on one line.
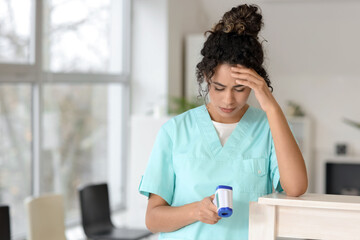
[[248, 77]]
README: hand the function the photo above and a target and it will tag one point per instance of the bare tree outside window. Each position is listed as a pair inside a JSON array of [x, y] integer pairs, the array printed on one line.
[[75, 137], [81, 115], [75, 117], [15, 149], [15, 23], [79, 36]]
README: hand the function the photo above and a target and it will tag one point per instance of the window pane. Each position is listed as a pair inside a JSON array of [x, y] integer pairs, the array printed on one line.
[[84, 36], [15, 25], [15, 151], [81, 140]]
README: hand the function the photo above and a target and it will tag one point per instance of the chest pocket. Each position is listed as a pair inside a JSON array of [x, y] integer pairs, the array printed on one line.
[[256, 166], [252, 175]]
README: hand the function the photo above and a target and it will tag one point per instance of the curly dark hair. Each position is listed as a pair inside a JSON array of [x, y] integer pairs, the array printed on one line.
[[233, 40]]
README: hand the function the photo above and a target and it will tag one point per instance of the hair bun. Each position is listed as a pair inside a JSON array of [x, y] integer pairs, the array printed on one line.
[[243, 20]]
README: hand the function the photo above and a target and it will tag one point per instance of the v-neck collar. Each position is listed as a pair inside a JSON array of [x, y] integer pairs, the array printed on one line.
[[211, 137]]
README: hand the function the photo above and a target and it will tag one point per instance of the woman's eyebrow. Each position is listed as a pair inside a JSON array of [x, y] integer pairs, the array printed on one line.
[[221, 85]]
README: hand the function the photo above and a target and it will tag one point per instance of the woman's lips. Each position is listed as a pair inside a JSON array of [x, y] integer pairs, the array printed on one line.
[[227, 110]]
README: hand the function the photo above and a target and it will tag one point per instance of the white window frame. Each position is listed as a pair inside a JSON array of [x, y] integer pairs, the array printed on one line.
[[34, 74]]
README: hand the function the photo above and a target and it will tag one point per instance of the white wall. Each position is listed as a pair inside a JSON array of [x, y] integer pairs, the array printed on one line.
[[149, 65], [159, 28], [314, 60], [185, 17]]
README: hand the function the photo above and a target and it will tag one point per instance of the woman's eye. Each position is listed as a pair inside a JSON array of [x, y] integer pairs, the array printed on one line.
[[219, 89], [240, 90]]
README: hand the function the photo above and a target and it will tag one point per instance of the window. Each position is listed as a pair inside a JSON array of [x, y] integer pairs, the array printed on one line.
[[15, 25], [90, 30], [15, 148], [64, 94]]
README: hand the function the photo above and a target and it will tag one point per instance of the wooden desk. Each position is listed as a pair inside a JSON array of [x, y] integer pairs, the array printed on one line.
[[310, 216]]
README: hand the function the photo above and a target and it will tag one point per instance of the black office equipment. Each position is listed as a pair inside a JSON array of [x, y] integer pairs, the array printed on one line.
[[96, 216], [4, 222]]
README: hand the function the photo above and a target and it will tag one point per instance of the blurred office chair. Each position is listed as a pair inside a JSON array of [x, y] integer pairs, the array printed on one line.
[[45, 217], [4, 222], [96, 219]]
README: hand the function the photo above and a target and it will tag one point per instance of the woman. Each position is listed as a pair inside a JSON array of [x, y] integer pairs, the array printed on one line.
[[224, 142]]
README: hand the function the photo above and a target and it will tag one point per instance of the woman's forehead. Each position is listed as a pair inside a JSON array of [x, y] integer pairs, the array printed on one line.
[[223, 75]]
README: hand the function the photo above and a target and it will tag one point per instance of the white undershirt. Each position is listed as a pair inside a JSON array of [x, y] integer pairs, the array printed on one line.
[[224, 130]]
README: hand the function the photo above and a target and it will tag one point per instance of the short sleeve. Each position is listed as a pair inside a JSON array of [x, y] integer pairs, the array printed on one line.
[[274, 169], [159, 177]]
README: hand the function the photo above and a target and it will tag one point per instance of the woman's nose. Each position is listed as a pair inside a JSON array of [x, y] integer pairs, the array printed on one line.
[[229, 97]]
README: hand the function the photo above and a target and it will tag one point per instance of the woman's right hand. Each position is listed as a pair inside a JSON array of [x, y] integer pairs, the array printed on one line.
[[207, 211]]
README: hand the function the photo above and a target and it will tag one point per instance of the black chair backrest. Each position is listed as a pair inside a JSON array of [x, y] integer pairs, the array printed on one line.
[[4, 222], [95, 208]]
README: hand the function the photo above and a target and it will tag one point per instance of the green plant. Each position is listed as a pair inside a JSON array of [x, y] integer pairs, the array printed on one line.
[[294, 109], [178, 105], [352, 123]]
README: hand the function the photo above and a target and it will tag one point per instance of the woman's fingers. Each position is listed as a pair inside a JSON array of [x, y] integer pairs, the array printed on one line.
[[241, 69], [211, 204], [246, 83], [247, 77], [208, 211], [246, 74], [250, 78], [210, 217]]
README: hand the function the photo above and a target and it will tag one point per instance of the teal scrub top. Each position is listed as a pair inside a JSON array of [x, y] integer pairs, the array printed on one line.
[[188, 162]]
